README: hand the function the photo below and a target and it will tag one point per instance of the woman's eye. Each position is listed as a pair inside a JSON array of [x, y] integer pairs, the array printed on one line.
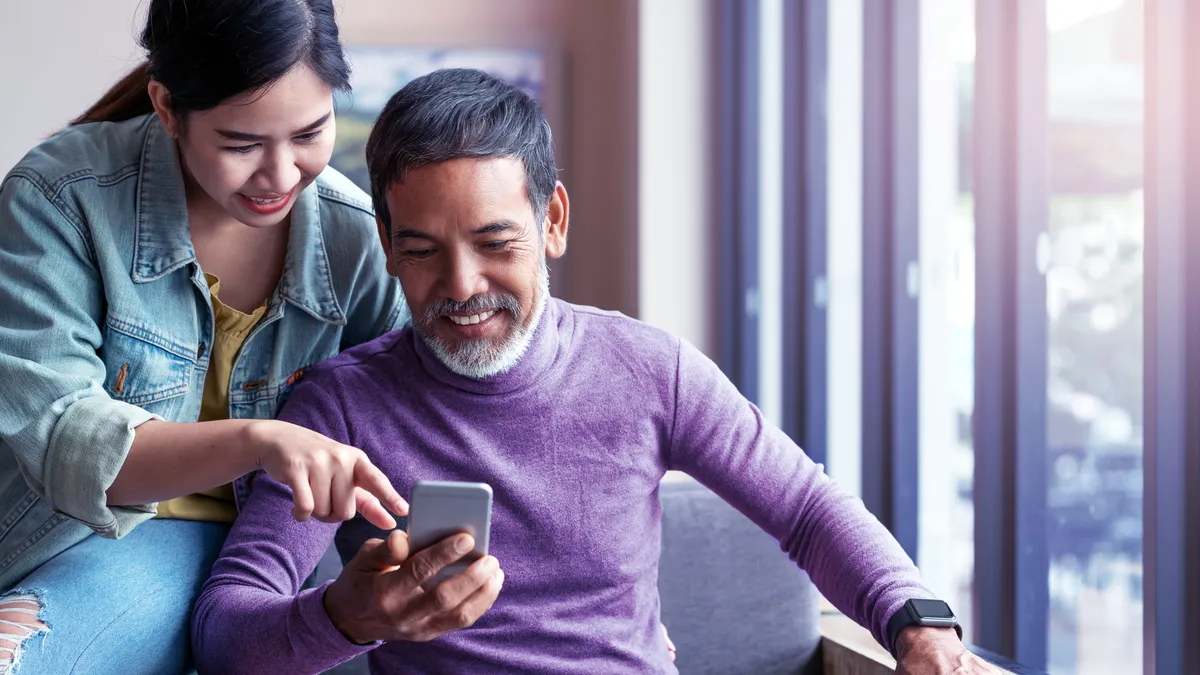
[[242, 149], [307, 138]]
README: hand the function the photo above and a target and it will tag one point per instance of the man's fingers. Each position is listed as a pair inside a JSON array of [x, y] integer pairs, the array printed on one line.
[[384, 554], [425, 564], [466, 613], [367, 504], [370, 478], [454, 591]]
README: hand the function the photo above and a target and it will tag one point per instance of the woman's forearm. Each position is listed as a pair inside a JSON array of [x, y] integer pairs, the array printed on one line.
[[172, 459]]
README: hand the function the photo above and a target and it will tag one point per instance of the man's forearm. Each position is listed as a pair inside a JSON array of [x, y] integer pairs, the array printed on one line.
[[252, 616], [240, 628], [170, 459]]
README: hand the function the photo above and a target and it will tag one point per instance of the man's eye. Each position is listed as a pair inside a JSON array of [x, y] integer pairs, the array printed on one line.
[[496, 245], [417, 253]]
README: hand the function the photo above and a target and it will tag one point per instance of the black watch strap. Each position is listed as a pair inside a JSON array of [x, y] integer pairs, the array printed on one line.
[[921, 612]]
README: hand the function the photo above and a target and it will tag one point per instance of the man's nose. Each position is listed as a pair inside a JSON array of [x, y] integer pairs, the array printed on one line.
[[463, 277]]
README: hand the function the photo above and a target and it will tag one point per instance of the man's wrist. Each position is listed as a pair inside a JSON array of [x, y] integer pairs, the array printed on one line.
[[911, 636], [332, 610]]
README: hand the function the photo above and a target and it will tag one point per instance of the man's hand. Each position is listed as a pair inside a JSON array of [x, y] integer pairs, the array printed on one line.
[[378, 595], [924, 650]]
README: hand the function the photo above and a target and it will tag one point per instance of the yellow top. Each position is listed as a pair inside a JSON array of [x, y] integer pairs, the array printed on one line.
[[229, 332]]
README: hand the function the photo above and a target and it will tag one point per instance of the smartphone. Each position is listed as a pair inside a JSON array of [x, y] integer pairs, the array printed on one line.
[[440, 509]]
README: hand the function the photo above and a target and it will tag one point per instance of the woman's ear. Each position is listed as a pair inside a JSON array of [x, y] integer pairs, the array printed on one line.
[[161, 99]]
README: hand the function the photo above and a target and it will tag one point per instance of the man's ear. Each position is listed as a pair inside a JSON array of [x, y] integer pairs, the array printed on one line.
[[160, 98], [558, 219], [386, 242]]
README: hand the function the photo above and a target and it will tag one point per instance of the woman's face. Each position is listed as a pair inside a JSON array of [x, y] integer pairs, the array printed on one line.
[[252, 155]]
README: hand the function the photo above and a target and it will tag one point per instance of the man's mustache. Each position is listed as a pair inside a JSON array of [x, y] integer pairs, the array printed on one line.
[[477, 304]]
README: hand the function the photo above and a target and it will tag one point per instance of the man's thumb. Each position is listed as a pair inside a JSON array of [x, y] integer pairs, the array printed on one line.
[[384, 554]]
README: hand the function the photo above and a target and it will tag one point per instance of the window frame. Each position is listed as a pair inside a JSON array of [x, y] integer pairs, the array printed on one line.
[[1011, 334], [891, 272], [1171, 460], [805, 225], [739, 80]]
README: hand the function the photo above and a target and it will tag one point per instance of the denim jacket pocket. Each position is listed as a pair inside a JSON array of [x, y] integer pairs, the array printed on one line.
[[144, 367]]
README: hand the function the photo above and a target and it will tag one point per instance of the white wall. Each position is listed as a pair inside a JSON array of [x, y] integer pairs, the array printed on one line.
[[675, 224], [56, 59]]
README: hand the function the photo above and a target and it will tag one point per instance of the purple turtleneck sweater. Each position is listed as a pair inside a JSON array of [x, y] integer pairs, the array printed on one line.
[[573, 440]]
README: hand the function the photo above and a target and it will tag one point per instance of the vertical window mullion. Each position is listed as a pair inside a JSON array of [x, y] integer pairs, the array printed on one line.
[[738, 149], [1172, 321], [804, 252], [891, 276], [1011, 207]]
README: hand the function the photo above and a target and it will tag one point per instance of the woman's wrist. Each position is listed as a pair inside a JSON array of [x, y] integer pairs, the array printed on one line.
[[254, 440]]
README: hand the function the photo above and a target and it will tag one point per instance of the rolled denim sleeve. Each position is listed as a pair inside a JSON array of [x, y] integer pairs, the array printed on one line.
[[68, 436]]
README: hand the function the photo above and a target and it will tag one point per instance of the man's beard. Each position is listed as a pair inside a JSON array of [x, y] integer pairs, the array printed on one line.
[[479, 359]]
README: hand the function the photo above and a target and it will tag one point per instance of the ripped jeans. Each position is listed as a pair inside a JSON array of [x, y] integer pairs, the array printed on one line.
[[120, 607]]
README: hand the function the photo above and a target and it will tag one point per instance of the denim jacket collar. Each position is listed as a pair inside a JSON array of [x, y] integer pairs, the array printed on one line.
[[164, 243]]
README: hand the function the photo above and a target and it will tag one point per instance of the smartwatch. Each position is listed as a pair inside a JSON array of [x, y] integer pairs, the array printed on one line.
[[921, 612]]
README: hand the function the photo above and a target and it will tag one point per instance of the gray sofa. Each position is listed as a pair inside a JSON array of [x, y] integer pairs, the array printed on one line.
[[733, 602]]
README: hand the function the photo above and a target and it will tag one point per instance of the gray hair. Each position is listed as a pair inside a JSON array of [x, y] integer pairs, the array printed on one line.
[[459, 113]]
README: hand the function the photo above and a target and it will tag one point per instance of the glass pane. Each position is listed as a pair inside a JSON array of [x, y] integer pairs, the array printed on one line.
[[844, 199], [1094, 305], [947, 307]]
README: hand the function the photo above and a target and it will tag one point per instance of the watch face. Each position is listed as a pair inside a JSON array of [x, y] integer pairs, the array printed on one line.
[[932, 609]]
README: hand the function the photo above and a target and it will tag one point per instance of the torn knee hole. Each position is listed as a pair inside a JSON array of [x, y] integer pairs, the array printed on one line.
[[29, 603], [20, 615], [20, 620]]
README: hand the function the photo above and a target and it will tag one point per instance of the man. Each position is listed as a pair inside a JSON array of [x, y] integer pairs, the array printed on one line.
[[570, 413]]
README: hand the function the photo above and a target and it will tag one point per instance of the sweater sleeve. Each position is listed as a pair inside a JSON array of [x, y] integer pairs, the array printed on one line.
[[252, 616], [722, 440]]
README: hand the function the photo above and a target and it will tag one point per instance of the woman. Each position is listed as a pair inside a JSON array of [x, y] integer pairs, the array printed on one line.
[[170, 265]]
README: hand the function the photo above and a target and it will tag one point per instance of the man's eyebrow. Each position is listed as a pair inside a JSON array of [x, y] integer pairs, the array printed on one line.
[[497, 226], [253, 138], [405, 233], [490, 228]]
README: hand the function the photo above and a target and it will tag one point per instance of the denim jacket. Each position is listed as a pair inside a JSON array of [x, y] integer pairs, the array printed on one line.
[[106, 318]]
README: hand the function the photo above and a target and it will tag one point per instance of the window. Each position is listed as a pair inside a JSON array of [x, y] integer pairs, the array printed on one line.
[[1094, 309], [947, 304], [844, 190]]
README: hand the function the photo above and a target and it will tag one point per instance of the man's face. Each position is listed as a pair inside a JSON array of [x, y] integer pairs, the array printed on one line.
[[471, 259]]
